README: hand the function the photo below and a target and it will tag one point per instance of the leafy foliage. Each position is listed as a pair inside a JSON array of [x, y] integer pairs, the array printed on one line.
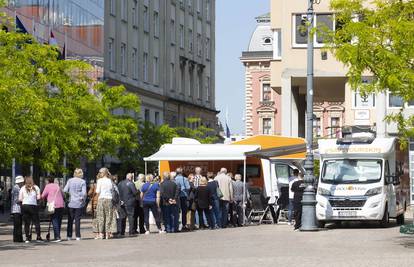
[[376, 38], [50, 107]]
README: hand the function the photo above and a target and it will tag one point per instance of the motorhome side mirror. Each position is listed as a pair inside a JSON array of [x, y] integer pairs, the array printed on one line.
[[389, 179], [396, 180]]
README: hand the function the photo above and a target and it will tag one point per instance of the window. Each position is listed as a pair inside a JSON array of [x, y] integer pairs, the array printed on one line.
[[207, 48], [145, 67], [155, 71], [147, 115], [124, 10], [182, 82], [191, 85], [351, 171], [112, 9], [146, 19], [182, 36], [266, 92], [199, 86], [208, 15], [172, 76], [134, 64], [283, 173], [123, 59], [134, 13], [277, 44], [317, 129], [267, 41], [157, 118], [267, 126], [156, 24], [208, 94], [111, 54], [334, 127], [172, 31], [321, 21], [395, 101], [190, 40], [199, 45], [199, 6]]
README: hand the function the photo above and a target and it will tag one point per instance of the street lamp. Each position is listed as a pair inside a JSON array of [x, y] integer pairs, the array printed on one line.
[[309, 197]]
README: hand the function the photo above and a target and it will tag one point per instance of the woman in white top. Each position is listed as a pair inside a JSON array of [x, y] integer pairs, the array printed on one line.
[[105, 209], [29, 195]]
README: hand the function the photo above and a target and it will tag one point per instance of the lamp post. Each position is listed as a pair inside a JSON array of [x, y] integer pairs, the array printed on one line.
[[309, 197]]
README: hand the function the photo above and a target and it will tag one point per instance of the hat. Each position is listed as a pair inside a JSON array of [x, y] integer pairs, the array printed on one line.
[[19, 179]]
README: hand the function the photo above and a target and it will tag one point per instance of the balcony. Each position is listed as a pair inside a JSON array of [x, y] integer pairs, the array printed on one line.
[[257, 54], [267, 103]]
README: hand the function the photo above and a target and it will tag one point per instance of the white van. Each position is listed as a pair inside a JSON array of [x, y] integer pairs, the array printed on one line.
[[362, 179]]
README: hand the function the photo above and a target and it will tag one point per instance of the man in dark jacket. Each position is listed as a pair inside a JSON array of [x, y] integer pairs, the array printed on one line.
[[169, 192], [128, 194], [297, 188]]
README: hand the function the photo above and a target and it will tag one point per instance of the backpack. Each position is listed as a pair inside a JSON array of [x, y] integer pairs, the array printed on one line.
[[115, 196]]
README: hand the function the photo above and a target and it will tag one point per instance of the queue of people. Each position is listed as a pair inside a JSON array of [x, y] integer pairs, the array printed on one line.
[[174, 200]]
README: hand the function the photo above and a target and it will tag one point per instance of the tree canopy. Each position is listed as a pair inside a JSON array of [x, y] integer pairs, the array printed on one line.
[[50, 108], [376, 38]]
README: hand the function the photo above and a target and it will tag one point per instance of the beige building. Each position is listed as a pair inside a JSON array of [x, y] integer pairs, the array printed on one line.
[[164, 50], [336, 104]]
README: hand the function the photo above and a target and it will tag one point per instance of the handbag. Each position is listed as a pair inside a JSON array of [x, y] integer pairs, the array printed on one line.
[[218, 191], [89, 207], [51, 205]]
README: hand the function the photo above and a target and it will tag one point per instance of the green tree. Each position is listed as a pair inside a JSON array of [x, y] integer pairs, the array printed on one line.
[[376, 38], [50, 108]]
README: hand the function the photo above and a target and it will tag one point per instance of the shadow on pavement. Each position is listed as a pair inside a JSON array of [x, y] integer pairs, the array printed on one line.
[[359, 225], [9, 245], [406, 241]]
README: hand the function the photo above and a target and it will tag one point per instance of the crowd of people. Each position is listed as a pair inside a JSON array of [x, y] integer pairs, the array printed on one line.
[[177, 202]]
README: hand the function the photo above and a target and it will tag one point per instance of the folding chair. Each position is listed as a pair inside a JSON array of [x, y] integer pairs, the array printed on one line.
[[259, 207]]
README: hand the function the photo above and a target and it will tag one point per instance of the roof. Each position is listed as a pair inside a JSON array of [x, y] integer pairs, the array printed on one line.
[[262, 37], [218, 152], [276, 147]]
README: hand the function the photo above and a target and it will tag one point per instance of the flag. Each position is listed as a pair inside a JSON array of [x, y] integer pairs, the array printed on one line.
[[19, 26], [227, 131], [52, 39]]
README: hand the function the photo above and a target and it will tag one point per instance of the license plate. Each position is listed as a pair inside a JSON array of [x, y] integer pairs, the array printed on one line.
[[347, 213]]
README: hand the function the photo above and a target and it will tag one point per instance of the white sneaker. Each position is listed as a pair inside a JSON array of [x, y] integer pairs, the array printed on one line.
[[27, 241], [56, 241], [69, 238], [289, 223], [147, 232], [162, 232], [78, 239]]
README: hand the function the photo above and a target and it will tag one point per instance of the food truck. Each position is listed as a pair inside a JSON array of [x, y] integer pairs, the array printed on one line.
[[263, 161], [362, 178]]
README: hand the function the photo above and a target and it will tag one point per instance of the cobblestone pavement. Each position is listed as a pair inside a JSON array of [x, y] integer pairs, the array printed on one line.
[[266, 245]]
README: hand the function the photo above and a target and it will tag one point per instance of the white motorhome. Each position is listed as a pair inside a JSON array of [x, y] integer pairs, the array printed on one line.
[[362, 178]]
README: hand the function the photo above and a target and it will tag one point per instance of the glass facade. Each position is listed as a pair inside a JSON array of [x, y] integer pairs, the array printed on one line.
[[78, 20]]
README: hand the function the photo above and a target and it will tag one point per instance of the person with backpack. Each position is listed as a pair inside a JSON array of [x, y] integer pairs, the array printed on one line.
[[29, 195], [184, 185], [105, 209], [150, 195], [76, 187], [54, 196], [16, 209], [226, 187]]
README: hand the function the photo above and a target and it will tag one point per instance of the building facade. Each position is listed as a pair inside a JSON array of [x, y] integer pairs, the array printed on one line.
[[336, 104], [262, 102], [164, 52]]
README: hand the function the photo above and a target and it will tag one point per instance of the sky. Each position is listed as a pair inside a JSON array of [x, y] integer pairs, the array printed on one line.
[[235, 23]]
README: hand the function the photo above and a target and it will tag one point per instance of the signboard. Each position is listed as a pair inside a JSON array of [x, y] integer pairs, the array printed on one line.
[[361, 114]]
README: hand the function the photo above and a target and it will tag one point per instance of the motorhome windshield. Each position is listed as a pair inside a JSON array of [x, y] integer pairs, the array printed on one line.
[[355, 171]]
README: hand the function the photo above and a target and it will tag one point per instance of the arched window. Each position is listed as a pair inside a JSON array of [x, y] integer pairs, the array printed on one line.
[[267, 40]]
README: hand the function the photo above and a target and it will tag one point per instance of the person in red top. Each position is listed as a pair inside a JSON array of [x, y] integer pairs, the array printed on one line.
[[53, 194]]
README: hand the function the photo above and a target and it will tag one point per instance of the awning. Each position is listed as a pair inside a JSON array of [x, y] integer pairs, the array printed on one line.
[[218, 152], [291, 151]]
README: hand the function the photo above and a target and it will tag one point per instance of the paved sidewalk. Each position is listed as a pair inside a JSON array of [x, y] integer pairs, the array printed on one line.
[[266, 245]]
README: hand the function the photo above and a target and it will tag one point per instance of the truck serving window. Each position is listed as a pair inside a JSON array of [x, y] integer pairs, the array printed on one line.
[[352, 171]]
